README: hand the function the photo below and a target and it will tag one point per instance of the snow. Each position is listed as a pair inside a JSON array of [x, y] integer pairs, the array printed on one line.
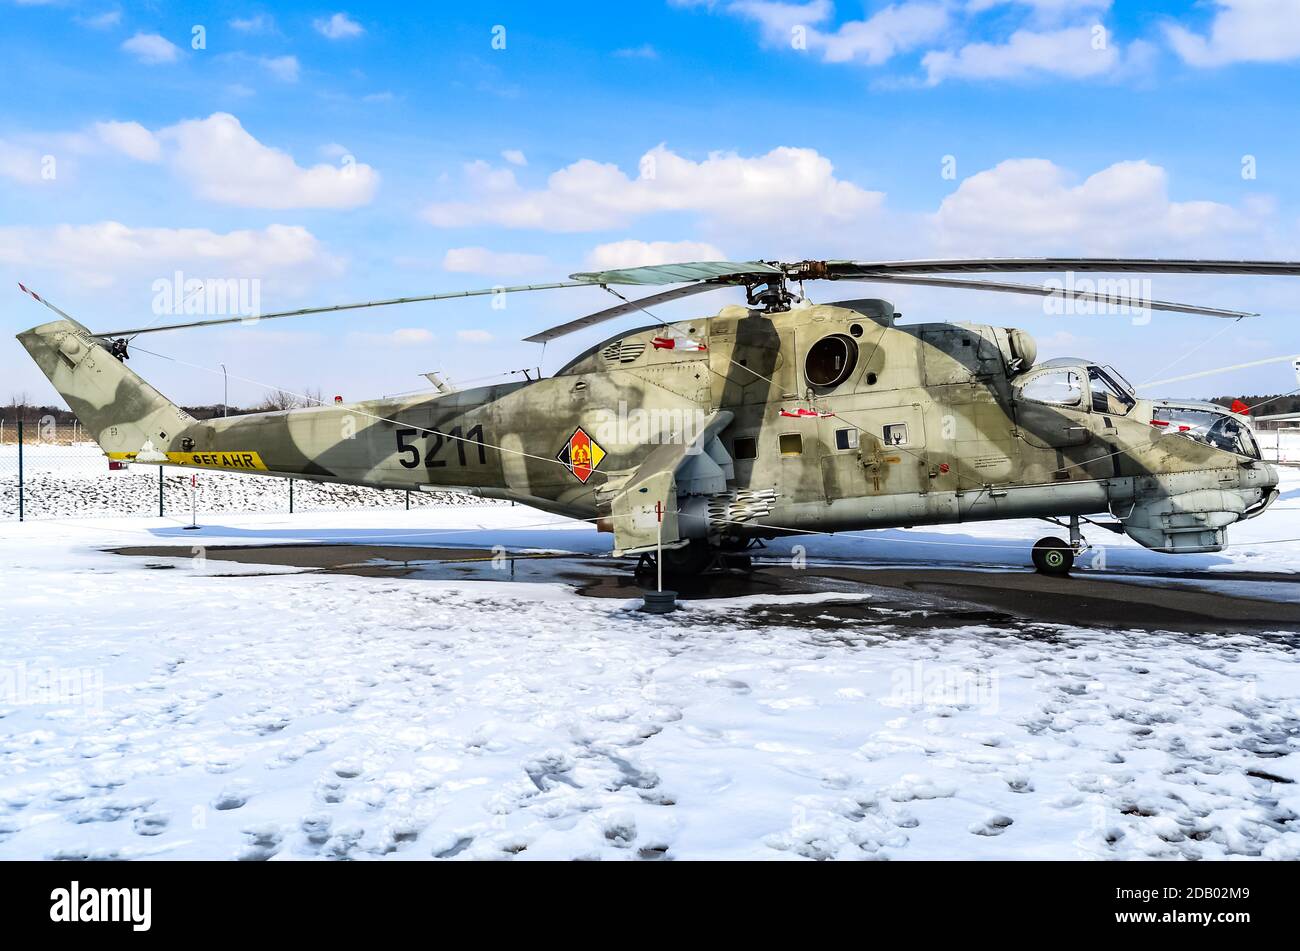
[[62, 481], [219, 710]]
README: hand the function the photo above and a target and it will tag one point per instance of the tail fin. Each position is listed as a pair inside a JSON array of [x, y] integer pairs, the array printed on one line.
[[127, 416]]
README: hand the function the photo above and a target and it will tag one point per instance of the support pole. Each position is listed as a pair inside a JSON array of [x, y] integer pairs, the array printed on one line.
[[659, 601], [194, 512], [291, 496], [160, 491], [20, 470], [659, 546]]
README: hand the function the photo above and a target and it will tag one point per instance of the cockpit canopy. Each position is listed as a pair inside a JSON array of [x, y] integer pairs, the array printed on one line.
[[1206, 423], [1082, 386], [1078, 384]]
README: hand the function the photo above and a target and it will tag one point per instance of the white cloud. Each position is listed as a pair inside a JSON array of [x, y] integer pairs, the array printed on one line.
[[338, 27], [1032, 206], [797, 184], [152, 49], [1058, 37], [483, 261], [19, 164], [261, 23], [130, 138], [103, 21], [776, 19], [284, 68], [473, 336], [514, 157], [1045, 10], [894, 29], [633, 253], [110, 253], [402, 337], [1264, 31], [644, 51], [224, 163], [1075, 52]]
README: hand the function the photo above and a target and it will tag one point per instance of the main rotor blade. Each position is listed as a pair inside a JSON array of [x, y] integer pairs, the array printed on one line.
[[722, 271], [41, 300], [217, 321], [1033, 290], [844, 269], [619, 310], [1217, 370]]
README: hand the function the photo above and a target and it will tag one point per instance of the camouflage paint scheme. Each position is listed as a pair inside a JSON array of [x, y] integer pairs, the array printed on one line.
[[668, 421]]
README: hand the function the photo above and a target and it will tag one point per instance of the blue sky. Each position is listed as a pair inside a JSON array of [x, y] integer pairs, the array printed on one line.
[[338, 154]]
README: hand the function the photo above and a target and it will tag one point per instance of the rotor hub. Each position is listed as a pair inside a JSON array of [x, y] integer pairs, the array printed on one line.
[[772, 297]]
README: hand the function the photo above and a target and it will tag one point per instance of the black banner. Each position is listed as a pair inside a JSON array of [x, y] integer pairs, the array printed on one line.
[[1222, 901]]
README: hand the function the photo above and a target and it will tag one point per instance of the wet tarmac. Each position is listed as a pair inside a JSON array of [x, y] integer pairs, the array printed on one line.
[[904, 595]]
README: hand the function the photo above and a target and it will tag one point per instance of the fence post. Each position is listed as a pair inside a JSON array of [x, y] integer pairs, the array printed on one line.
[[291, 496], [20, 470], [408, 500], [160, 492]]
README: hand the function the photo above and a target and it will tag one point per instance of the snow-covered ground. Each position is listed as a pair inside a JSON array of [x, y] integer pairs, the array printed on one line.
[[219, 710], [62, 481]]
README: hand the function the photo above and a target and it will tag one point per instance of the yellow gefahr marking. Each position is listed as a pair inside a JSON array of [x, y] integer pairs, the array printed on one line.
[[234, 459], [226, 459]]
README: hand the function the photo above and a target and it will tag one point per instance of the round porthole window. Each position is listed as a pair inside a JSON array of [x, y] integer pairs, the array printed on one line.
[[855, 329], [830, 360]]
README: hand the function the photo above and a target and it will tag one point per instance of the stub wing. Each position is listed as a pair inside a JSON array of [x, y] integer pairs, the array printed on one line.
[[667, 493]]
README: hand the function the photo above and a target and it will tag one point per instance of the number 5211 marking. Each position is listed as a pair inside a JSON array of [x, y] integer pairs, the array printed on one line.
[[409, 453]]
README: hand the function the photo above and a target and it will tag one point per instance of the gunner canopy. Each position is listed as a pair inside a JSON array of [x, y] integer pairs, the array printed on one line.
[[1207, 424]]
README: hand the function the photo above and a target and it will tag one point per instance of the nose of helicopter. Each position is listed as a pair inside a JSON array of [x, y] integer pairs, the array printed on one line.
[[1196, 520], [1258, 483]]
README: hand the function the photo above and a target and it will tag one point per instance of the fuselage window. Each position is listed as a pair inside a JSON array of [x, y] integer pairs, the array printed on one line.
[[896, 434], [846, 439], [1058, 387], [791, 444], [744, 447]]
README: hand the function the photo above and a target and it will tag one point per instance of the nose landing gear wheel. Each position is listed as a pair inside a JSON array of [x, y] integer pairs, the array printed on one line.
[[1053, 556]]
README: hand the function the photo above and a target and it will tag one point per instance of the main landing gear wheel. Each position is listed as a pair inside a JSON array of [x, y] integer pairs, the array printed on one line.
[[688, 560], [696, 560], [1053, 556]]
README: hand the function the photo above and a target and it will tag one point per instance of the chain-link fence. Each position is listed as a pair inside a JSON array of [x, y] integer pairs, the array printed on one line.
[[55, 471]]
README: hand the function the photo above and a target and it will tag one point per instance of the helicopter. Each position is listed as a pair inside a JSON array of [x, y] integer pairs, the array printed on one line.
[[692, 441]]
